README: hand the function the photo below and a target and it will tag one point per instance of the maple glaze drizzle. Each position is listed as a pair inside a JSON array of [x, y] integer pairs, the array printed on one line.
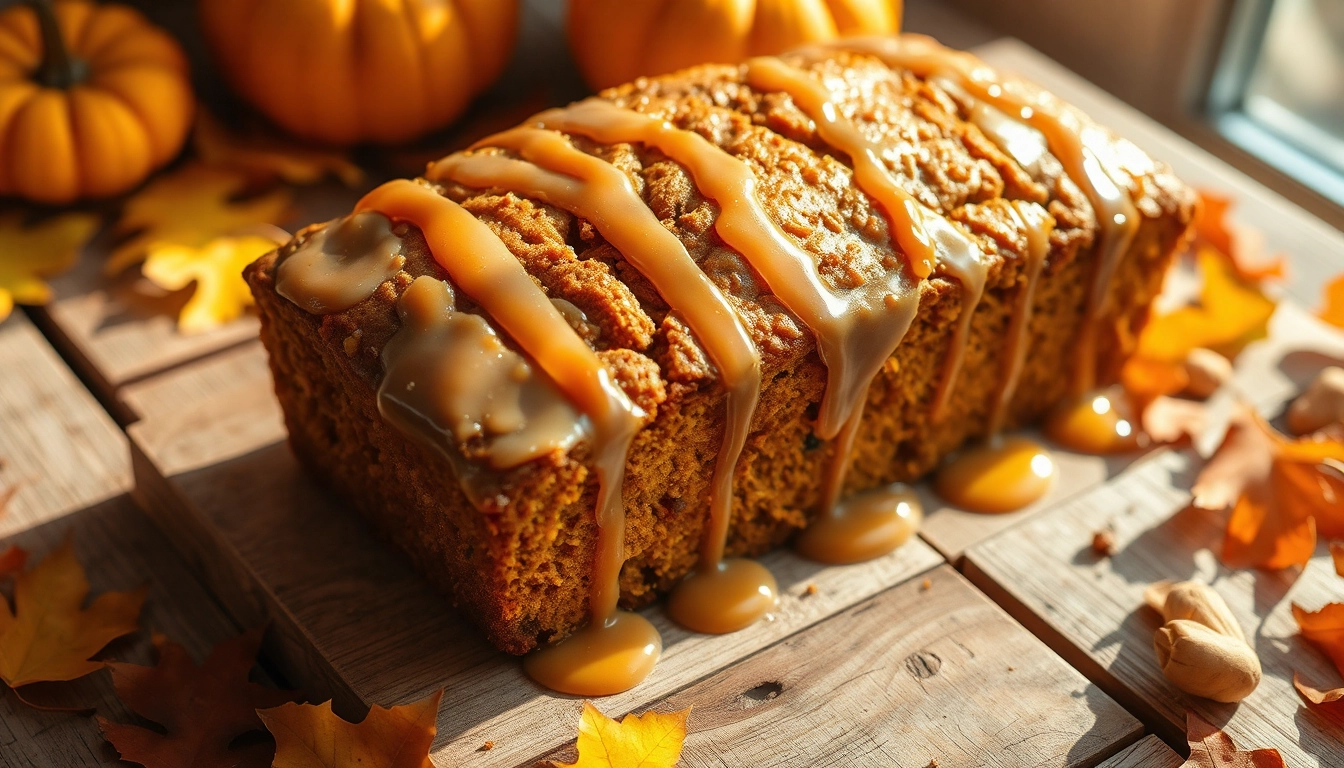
[[1071, 136], [341, 265], [481, 266], [924, 236], [856, 330], [551, 169]]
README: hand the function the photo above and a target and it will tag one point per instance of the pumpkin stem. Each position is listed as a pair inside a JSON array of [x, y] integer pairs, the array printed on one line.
[[58, 69]]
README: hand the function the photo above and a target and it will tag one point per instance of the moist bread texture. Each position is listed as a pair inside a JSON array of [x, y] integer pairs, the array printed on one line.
[[518, 561]]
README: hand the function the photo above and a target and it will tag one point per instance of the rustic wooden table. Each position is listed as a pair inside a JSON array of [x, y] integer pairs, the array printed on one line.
[[992, 640]]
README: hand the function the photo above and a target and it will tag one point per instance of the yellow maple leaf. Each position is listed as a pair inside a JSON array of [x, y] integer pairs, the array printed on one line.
[[29, 252], [188, 208], [267, 155], [311, 736], [650, 740], [47, 637], [216, 268]]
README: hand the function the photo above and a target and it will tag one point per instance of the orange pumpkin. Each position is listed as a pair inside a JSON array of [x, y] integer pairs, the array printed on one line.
[[93, 98], [614, 41], [348, 71]]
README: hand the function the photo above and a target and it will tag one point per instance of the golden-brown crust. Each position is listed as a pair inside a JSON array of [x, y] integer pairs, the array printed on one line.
[[519, 564]]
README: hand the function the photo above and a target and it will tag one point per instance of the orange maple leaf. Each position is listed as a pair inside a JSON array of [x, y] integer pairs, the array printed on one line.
[[1324, 629], [201, 709], [650, 740], [1333, 311], [12, 560], [1241, 246], [48, 637], [312, 736], [1211, 748], [1281, 493]]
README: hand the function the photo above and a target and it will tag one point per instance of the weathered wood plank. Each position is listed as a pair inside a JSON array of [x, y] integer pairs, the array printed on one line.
[[59, 451], [929, 670], [351, 621], [1090, 609], [120, 549], [1148, 752]]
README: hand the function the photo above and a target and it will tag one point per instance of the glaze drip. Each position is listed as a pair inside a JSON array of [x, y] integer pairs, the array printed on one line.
[[553, 170], [481, 266], [341, 265], [449, 379], [926, 238]]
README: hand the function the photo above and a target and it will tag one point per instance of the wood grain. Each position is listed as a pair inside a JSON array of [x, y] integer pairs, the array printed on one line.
[[1148, 752], [120, 549], [1090, 609], [351, 621], [59, 451], [929, 670]]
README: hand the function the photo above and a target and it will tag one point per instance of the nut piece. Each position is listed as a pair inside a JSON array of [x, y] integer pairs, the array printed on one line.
[[1321, 405], [1207, 371], [1201, 648], [1203, 662]]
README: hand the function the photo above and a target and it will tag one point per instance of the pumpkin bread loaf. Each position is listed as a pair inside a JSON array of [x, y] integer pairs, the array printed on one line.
[[518, 560]]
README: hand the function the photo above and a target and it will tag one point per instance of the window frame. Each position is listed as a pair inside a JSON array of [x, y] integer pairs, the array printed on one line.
[[1248, 24]]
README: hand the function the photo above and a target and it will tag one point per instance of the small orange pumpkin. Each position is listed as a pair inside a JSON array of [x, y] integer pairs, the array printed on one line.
[[614, 41], [348, 71], [93, 98]]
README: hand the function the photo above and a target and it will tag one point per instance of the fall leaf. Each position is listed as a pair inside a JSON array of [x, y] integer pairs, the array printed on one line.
[[1333, 311], [1280, 491], [1211, 748], [1242, 247], [650, 740], [1324, 629], [1230, 313], [190, 207], [311, 736], [12, 560], [268, 156], [27, 253], [1330, 701], [48, 637], [201, 709], [217, 270]]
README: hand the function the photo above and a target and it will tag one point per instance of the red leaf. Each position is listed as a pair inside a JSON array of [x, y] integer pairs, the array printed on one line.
[[203, 709]]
